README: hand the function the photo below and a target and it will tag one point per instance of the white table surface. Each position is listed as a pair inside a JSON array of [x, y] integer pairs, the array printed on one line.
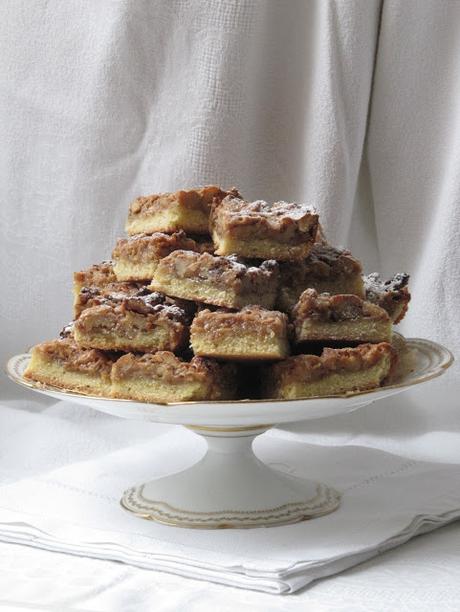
[[422, 575]]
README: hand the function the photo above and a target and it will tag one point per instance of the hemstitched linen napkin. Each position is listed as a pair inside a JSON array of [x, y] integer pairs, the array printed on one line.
[[386, 500]]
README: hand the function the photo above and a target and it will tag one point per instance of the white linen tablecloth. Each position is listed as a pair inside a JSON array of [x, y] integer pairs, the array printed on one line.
[[421, 576]]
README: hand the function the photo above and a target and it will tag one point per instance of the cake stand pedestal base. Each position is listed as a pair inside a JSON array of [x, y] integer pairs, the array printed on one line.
[[230, 488]]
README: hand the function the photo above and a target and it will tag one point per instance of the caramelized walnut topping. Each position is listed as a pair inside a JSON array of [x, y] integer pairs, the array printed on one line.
[[325, 260], [326, 269], [165, 366], [74, 358], [376, 288], [326, 307], [97, 275], [140, 300], [201, 198], [391, 295], [144, 248], [226, 271], [323, 263], [94, 296], [249, 318], [307, 368], [154, 305], [288, 222]]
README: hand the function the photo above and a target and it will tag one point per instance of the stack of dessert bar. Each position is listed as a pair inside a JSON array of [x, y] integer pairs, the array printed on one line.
[[212, 297]]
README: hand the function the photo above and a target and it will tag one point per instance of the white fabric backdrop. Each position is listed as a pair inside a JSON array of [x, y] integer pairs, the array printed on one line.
[[350, 105], [103, 101]]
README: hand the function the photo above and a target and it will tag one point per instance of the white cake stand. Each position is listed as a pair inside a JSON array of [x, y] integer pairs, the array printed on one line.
[[230, 486]]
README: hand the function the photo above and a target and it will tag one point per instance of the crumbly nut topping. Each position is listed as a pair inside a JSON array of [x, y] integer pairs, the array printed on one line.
[[226, 271], [148, 247], [156, 303], [74, 358], [391, 295], [285, 220], [334, 308], [97, 275], [249, 318], [94, 295], [376, 288], [325, 260], [355, 359], [307, 368], [201, 198], [127, 315], [137, 298], [107, 320], [165, 366], [323, 264]]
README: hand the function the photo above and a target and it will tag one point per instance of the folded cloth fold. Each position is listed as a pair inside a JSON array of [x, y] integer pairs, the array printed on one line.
[[74, 508]]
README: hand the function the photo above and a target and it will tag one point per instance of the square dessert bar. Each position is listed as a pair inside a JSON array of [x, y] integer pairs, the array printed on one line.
[[141, 323], [326, 269], [98, 275], [136, 258], [283, 231], [222, 281], [339, 318], [250, 334], [336, 371], [392, 295], [168, 212], [163, 377], [63, 364]]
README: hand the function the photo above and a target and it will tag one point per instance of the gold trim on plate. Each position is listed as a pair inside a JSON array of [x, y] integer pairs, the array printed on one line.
[[325, 500], [218, 429]]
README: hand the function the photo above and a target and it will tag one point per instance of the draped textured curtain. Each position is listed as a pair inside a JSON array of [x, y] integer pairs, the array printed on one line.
[[351, 105]]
